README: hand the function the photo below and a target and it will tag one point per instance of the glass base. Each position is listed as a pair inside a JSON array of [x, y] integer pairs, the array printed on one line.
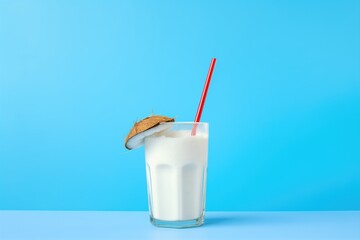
[[178, 224]]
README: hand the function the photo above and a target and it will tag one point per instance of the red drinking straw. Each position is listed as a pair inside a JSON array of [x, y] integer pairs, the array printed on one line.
[[203, 95]]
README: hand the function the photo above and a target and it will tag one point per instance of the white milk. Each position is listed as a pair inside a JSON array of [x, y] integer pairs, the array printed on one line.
[[176, 165]]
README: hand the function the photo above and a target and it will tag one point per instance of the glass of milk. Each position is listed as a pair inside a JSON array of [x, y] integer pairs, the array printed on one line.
[[176, 165]]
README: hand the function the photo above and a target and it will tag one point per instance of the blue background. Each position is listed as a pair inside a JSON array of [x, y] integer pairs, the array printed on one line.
[[283, 106]]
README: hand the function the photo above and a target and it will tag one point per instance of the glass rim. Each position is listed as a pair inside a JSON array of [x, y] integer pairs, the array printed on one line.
[[184, 123]]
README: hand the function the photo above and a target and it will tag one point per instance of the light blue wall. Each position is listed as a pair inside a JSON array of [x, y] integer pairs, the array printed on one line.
[[283, 107]]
